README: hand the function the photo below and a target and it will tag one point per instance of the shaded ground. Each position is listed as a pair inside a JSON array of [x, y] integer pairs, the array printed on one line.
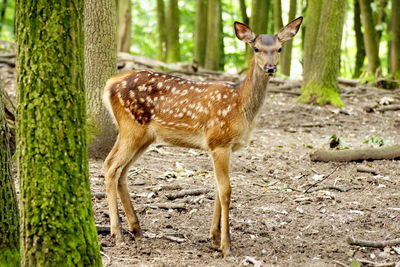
[[272, 220]]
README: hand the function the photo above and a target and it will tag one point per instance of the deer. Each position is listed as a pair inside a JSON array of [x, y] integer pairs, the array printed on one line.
[[217, 117]]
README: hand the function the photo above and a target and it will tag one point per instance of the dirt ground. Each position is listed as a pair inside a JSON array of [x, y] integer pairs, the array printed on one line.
[[273, 222]]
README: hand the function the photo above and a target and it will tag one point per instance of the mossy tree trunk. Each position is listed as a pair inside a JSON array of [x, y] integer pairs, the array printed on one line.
[[395, 43], [212, 60], [360, 54], [162, 31], [278, 23], [9, 220], [321, 86], [310, 36], [57, 223], [100, 65], [370, 40], [172, 19], [200, 36], [124, 9], [259, 21], [245, 17], [286, 54]]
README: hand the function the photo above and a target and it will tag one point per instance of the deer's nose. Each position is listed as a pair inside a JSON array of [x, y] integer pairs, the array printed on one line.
[[270, 68]]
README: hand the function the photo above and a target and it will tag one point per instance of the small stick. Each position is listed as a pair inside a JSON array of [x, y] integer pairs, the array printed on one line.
[[108, 258], [363, 168], [174, 238], [373, 244], [340, 189], [340, 263], [326, 177], [168, 206], [377, 264], [190, 192]]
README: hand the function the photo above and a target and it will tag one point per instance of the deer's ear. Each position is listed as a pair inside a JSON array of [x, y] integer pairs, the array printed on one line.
[[290, 30], [244, 33]]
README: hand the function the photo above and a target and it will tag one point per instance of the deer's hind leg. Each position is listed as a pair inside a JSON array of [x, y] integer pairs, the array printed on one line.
[[130, 144]]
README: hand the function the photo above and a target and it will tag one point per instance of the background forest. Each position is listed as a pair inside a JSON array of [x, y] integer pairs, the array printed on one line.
[[316, 186]]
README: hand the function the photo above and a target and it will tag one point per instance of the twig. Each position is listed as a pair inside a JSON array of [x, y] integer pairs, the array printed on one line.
[[373, 244], [340, 263], [168, 206], [108, 258], [174, 238], [332, 187], [377, 264], [326, 177], [190, 192], [367, 169]]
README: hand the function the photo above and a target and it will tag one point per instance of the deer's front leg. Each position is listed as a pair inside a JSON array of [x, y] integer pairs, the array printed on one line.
[[221, 158]]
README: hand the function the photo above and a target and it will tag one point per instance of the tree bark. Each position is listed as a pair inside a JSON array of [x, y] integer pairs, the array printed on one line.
[[370, 41], [57, 222], [100, 65], [278, 24], [9, 220], [310, 36], [245, 17], [172, 19], [162, 31], [124, 25], [395, 43], [286, 54], [213, 50], [321, 86], [360, 55], [200, 32], [9, 112]]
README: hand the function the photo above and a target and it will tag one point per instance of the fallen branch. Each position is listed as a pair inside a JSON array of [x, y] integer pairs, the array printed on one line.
[[190, 192], [367, 169], [373, 244], [174, 238], [377, 264], [393, 107], [386, 152]]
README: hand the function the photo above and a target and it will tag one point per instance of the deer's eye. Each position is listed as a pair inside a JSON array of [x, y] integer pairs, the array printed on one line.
[[256, 49], [280, 49]]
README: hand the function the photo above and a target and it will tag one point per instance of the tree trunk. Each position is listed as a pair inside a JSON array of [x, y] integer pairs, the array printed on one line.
[[243, 11], [395, 43], [100, 65], [213, 35], [370, 40], [258, 21], [321, 86], [286, 54], [172, 19], [310, 36], [278, 24], [360, 55], [57, 224], [162, 31], [124, 25], [200, 32], [3, 13], [9, 221]]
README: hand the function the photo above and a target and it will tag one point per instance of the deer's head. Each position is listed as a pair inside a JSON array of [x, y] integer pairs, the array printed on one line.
[[267, 47]]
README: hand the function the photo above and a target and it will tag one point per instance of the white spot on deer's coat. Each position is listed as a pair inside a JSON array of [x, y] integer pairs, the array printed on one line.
[[124, 83], [160, 85]]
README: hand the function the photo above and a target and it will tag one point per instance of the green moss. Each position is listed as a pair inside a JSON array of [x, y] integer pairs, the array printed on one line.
[[320, 94]]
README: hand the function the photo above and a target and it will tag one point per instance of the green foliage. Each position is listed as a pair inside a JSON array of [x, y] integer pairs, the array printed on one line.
[[375, 140], [9, 257], [7, 25]]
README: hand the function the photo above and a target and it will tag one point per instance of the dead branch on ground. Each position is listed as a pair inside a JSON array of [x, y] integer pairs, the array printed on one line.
[[373, 244], [386, 152], [318, 182], [189, 192]]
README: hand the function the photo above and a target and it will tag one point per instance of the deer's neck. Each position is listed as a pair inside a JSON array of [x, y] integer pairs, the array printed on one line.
[[253, 90]]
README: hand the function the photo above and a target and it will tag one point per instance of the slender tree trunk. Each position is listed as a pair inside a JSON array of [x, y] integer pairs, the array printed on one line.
[[57, 222], [221, 41], [321, 86], [162, 31], [3, 13], [370, 41], [124, 25], [278, 15], [100, 65], [245, 18], [172, 19], [311, 34], [395, 43], [259, 21], [286, 54], [9, 220], [360, 55], [213, 35], [200, 32]]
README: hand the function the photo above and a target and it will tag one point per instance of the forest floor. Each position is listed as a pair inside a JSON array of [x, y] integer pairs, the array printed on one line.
[[273, 221]]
